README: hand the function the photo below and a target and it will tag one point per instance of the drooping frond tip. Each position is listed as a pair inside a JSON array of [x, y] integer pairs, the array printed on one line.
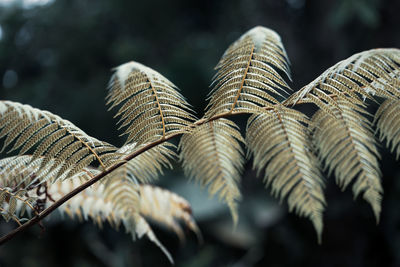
[[119, 201], [151, 106], [248, 77], [212, 155], [280, 144], [166, 208], [155, 204]]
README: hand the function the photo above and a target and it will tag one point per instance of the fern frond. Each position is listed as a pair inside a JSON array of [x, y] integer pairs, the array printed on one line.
[[119, 201], [167, 208], [66, 149], [346, 143], [117, 207], [159, 205], [151, 107], [364, 75], [387, 121], [280, 142], [212, 155], [248, 74]]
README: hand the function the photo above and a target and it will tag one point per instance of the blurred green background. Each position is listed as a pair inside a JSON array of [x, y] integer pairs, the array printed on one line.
[[58, 55]]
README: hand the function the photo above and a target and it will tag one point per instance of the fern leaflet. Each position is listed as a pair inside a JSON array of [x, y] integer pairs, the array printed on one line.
[[66, 149], [212, 155], [247, 79], [151, 107], [279, 140]]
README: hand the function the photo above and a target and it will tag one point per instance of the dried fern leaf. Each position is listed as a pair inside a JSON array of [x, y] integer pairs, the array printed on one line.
[[142, 228], [280, 143], [212, 155], [63, 145], [248, 74], [364, 75], [117, 204], [151, 106], [387, 121], [346, 144], [147, 166], [119, 201], [166, 208]]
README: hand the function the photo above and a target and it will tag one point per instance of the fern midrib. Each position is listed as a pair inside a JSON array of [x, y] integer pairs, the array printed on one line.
[[244, 78], [214, 144], [159, 108], [355, 144], [90, 149], [286, 137], [293, 154]]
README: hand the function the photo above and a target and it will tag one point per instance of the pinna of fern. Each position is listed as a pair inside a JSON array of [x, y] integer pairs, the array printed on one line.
[[247, 77], [212, 155], [280, 143], [66, 148], [151, 106]]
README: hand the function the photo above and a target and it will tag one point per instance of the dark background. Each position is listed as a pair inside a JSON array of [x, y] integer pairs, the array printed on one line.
[[59, 57]]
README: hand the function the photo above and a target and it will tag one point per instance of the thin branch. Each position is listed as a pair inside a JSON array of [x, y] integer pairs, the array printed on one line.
[[159, 108], [244, 78]]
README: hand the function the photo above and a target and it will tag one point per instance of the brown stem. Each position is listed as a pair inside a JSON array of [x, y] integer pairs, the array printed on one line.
[[243, 79]]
